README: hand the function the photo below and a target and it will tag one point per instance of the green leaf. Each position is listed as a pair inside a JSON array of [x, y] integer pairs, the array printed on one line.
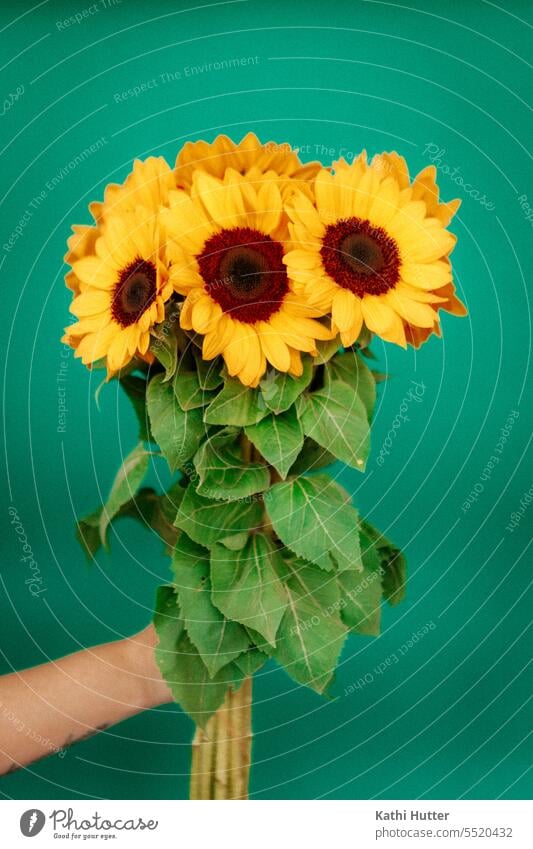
[[257, 640], [350, 368], [361, 593], [218, 640], [326, 350], [394, 577], [279, 390], [208, 522], [153, 510], [312, 456], [235, 542], [165, 514], [164, 347], [178, 433], [335, 417], [237, 405], [278, 438], [311, 633], [88, 533], [393, 565], [246, 586], [250, 661], [188, 391], [135, 389], [314, 518], [125, 486], [209, 376], [222, 471], [182, 667]]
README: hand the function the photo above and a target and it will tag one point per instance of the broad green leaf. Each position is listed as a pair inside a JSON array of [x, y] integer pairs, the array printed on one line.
[[361, 593], [164, 347], [312, 456], [237, 405], [124, 487], [209, 376], [350, 368], [146, 506], [182, 667], [394, 581], [246, 586], [208, 522], [250, 661], [326, 350], [165, 514], [222, 471], [278, 438], [279, 390], [171, 501], [88, 533], [314, 518], [178, 433], [236, 541], [135, 389], [393, 565], [311, 633], [335, 417], [217, 639], [188, 391]]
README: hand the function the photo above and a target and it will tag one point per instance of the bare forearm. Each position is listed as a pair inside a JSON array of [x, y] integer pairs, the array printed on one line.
[[51, 706]]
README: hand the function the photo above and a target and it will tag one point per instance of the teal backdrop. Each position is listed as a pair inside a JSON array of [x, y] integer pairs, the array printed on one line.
[[442, 715]]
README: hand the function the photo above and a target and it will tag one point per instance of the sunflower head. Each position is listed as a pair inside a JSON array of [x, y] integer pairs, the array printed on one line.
[[123, 287], [373, 250], [147, 185], [228, 240], [119, 273]]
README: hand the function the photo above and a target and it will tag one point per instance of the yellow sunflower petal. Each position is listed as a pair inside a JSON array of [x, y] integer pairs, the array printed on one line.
[[302, 210], [426, 275], [274, 348], [396, 332], [94, 346], [205, 311], [92, 271], [422, 315], [345, 310], [296, 367], [254, 368], [90, 303], [117, 355], [351, 333], [377, 314]]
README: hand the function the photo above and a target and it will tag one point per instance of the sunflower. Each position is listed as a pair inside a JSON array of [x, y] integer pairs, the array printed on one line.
[[249, 157], [147, 185], [228, 242], [123, 287], [373, 250]]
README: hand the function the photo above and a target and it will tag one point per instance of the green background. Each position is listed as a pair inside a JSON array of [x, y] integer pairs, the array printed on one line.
[[449, 719]]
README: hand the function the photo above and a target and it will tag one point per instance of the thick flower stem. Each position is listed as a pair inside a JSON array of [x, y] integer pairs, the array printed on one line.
[[221, 752]]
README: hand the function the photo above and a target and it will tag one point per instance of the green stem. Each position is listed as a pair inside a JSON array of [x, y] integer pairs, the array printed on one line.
[[221, 752]]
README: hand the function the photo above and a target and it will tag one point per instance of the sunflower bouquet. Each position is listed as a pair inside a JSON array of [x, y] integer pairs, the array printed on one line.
[[234, 298]]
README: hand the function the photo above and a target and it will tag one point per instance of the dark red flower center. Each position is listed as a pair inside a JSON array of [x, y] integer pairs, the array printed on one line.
[[243, 271], [360, 257], [134, 291]]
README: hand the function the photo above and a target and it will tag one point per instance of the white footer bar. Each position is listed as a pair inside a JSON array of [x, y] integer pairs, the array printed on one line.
[[268, 824]]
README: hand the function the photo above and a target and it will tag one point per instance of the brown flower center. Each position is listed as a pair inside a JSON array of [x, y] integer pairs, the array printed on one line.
[[134, 291], [360, 257], [243, 271]]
